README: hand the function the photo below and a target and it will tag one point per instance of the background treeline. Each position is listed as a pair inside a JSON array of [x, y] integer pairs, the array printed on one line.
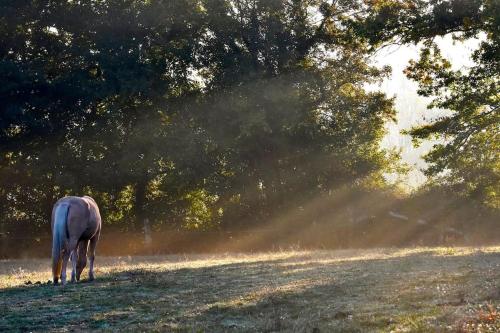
[[233, 115]]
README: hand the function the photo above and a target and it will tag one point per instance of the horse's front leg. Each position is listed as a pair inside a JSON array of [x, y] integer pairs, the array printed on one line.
[[91, 255], [82, 258]]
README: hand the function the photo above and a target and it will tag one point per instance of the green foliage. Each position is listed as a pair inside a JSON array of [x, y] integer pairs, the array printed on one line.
[[285, 106], [191, 113], [468, 159], [84, 84]]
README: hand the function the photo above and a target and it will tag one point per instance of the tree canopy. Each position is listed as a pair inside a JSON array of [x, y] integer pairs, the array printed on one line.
[[220, 113], [468, 158], [190, 112]]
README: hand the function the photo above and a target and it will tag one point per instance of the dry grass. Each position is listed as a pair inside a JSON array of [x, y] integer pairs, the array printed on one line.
[[382, 290]]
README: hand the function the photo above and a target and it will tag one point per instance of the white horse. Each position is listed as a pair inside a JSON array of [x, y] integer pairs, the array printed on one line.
[[76, 226]]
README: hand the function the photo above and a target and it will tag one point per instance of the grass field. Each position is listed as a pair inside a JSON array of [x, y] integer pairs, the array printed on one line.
[[399, 290]]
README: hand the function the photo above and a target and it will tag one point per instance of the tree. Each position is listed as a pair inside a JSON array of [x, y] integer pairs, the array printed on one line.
[[195, 112], [83, 94], [285, 108], [468, 159]]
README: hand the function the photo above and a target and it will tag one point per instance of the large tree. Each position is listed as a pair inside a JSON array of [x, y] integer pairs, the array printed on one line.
[[468, 159], [285, 105], [85, 86], [187, 111]]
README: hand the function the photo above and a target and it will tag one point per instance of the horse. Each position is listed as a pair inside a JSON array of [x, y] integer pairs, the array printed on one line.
[[76, 227]]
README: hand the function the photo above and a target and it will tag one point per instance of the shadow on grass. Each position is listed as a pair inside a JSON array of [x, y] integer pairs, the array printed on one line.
[[301, 293]]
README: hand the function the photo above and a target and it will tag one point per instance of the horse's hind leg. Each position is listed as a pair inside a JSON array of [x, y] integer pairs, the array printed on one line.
[[91, 254], [74, 259], [82, 258], [69, 250]]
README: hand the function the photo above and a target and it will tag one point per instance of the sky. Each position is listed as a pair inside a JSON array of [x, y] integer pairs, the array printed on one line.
[[411, 108]]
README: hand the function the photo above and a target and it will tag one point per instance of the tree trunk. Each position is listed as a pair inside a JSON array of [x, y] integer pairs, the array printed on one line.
[[140, 203]]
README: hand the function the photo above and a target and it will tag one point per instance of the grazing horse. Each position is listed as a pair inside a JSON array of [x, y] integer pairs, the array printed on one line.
[[76, 226]]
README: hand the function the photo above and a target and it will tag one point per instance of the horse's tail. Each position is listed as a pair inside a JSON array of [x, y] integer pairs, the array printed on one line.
[[59, 233]]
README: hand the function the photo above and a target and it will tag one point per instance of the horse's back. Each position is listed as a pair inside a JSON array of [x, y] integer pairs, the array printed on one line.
[[83, 219], [68, 200], [93, 208], [95, 215]]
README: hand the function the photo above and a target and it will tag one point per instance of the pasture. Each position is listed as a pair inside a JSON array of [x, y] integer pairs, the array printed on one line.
[[398, 290]]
